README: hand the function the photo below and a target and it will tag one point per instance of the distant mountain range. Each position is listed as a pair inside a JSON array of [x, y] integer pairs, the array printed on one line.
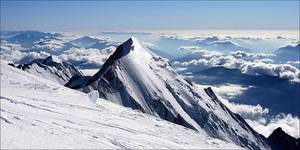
[[28, 38], [38, 41], [214, 43]]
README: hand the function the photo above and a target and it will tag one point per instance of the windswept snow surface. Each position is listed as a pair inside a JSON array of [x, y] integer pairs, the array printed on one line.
[[38, 113]]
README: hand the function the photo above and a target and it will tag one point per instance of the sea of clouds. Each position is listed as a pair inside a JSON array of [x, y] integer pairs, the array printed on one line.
[[80, 56], [248, 63]]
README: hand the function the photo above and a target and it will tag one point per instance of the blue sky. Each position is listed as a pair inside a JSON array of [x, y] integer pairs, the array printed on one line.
[[146, 15]]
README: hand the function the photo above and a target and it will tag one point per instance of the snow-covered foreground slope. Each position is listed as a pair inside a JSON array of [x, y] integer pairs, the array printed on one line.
[[37, 113]]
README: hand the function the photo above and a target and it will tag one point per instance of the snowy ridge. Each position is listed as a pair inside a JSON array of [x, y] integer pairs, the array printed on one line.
[[51, 68], [135, 77], [39, 114]]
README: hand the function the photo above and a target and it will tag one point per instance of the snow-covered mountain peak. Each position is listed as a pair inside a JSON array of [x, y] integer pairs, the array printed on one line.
[[133, 53], [140, 52], [134, 41], [132, 44], [128, 45], [135, 77]]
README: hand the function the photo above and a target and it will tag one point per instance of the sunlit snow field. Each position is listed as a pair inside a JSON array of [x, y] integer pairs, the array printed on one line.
[[38, 113]]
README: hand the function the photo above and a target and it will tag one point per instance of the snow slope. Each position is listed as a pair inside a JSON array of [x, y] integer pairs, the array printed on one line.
[[135, 77], [38, 113]]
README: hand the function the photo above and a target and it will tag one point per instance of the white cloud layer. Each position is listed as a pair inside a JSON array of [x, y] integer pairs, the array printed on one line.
[[242, 54], [206, 54], [259, 64], [87, 57], [14, 53], [233, 34], [79, 56], [52, 45], [288, 123]]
